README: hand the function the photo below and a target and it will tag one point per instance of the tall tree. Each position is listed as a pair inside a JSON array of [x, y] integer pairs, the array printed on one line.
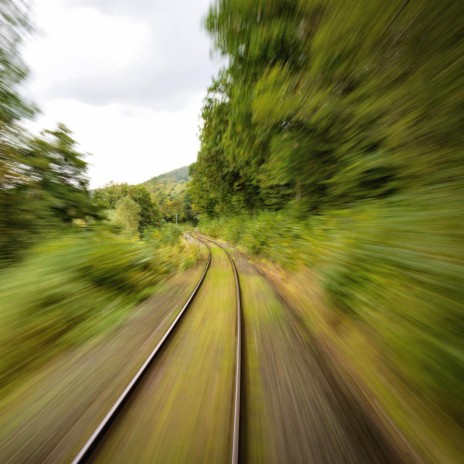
[[15, 212], [14, 26], [57, 174]]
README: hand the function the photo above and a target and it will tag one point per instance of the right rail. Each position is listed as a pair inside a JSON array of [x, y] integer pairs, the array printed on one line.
[[238, 355]]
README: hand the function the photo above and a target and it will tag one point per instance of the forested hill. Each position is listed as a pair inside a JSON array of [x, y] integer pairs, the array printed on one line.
[[178, 176], [168, 190]]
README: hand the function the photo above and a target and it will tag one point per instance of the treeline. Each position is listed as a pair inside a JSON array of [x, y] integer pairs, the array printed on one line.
[[130, 207], [44, 188], [325, 104], [136, 209]]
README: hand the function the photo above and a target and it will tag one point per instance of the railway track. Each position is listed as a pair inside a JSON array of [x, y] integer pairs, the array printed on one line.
[[238, 357], [103, 430]]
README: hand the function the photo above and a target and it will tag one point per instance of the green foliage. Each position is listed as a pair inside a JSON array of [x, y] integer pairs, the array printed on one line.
[[330, 103], [56, 174], [146, 212], [127, 216], [73, 287], [50, 192], [375, 270], [169, 192], [210, 189], [334, 140], [43, 184], [14, 28]]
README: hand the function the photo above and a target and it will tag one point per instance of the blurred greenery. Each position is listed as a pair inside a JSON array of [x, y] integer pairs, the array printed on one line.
[[409, 292], [392, 267], [43, 182], [330, 103], [334, 140], [71, 287]]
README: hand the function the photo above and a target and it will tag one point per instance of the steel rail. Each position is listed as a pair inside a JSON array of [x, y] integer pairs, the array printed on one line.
[[238, 364], [97, 436]]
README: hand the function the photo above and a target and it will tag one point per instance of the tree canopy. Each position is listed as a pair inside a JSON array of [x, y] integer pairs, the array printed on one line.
[[330, 103], [117, 196]]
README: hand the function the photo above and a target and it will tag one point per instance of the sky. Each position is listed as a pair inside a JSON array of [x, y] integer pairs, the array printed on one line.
[[126, 76]]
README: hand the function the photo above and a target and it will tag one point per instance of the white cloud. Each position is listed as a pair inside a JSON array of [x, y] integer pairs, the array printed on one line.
[[129, 143], [127, 81], [81, 43]]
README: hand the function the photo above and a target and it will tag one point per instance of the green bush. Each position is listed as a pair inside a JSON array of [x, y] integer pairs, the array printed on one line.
[[393, 266], [70, 288]]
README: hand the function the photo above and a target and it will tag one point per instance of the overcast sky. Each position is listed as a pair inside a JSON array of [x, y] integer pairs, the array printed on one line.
[[126, 76]]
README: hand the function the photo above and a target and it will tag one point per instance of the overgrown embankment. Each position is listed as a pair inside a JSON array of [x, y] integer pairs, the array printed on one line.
[[381, 285], [71, 288], [331, 145]]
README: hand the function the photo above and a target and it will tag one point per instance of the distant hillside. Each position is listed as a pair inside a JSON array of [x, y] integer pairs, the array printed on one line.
[[168, 190], [180, 175]]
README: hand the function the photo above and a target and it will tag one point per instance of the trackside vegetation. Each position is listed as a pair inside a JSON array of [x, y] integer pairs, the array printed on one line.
[[332, 145], [71, 287]]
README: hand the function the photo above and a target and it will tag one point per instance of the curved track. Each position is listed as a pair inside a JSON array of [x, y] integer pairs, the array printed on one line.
[[98, 435], [238, 365], [103, 430]]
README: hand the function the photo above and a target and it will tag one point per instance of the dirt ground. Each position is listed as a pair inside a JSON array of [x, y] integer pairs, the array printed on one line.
[[295, 410]]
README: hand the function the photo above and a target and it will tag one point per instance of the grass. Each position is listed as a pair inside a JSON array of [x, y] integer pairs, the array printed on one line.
[[391, 270], [68, 289]]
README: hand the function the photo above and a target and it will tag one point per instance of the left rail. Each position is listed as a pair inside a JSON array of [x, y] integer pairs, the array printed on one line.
[[97, 436]]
